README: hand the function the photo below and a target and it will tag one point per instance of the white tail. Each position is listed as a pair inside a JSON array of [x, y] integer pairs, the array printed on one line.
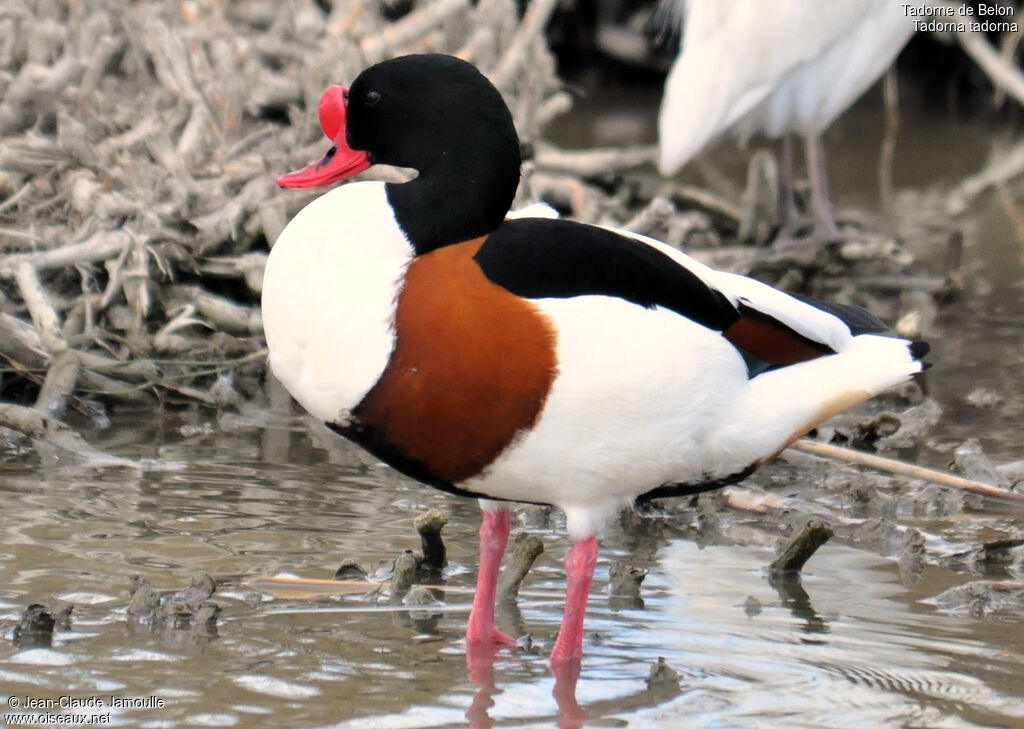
[[783, 404]]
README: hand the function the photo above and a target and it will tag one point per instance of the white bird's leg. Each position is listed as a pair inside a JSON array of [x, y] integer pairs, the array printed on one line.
[[825, 228], [789, 216], [493, 538]]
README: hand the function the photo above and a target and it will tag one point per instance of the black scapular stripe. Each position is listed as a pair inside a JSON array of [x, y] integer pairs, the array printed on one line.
[[539, 258]]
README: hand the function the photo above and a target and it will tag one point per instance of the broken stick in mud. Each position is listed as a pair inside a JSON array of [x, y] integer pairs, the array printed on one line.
[[906, 469]]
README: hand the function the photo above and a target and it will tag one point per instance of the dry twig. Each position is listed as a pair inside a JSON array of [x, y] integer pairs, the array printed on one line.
[[905, 469]]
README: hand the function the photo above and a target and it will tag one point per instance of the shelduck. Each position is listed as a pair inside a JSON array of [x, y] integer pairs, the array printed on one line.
[[532, 359], [781, 67]]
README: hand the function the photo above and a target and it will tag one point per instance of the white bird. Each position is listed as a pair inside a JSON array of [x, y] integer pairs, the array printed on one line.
[[775, 67]]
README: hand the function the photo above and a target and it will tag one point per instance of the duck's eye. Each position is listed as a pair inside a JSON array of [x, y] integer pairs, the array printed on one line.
[[371, 98]]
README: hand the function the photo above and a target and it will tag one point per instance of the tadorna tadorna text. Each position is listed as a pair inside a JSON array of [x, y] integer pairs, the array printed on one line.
[[532, 359]]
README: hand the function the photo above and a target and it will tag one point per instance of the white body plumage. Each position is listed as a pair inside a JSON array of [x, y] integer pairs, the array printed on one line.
[[642, 397]]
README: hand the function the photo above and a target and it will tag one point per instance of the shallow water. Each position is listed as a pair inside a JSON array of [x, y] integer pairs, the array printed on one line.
[[857, 644], [854, 648]]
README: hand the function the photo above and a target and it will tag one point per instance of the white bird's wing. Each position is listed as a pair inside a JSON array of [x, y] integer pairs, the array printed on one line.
[[735, 53]]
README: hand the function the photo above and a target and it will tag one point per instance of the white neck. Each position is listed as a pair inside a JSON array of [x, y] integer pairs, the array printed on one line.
[[329, 293]]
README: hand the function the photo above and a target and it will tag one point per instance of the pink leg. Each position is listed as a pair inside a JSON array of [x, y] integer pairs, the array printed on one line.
[[493, 536], [570, 714], [579, 568], [480, 660]]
